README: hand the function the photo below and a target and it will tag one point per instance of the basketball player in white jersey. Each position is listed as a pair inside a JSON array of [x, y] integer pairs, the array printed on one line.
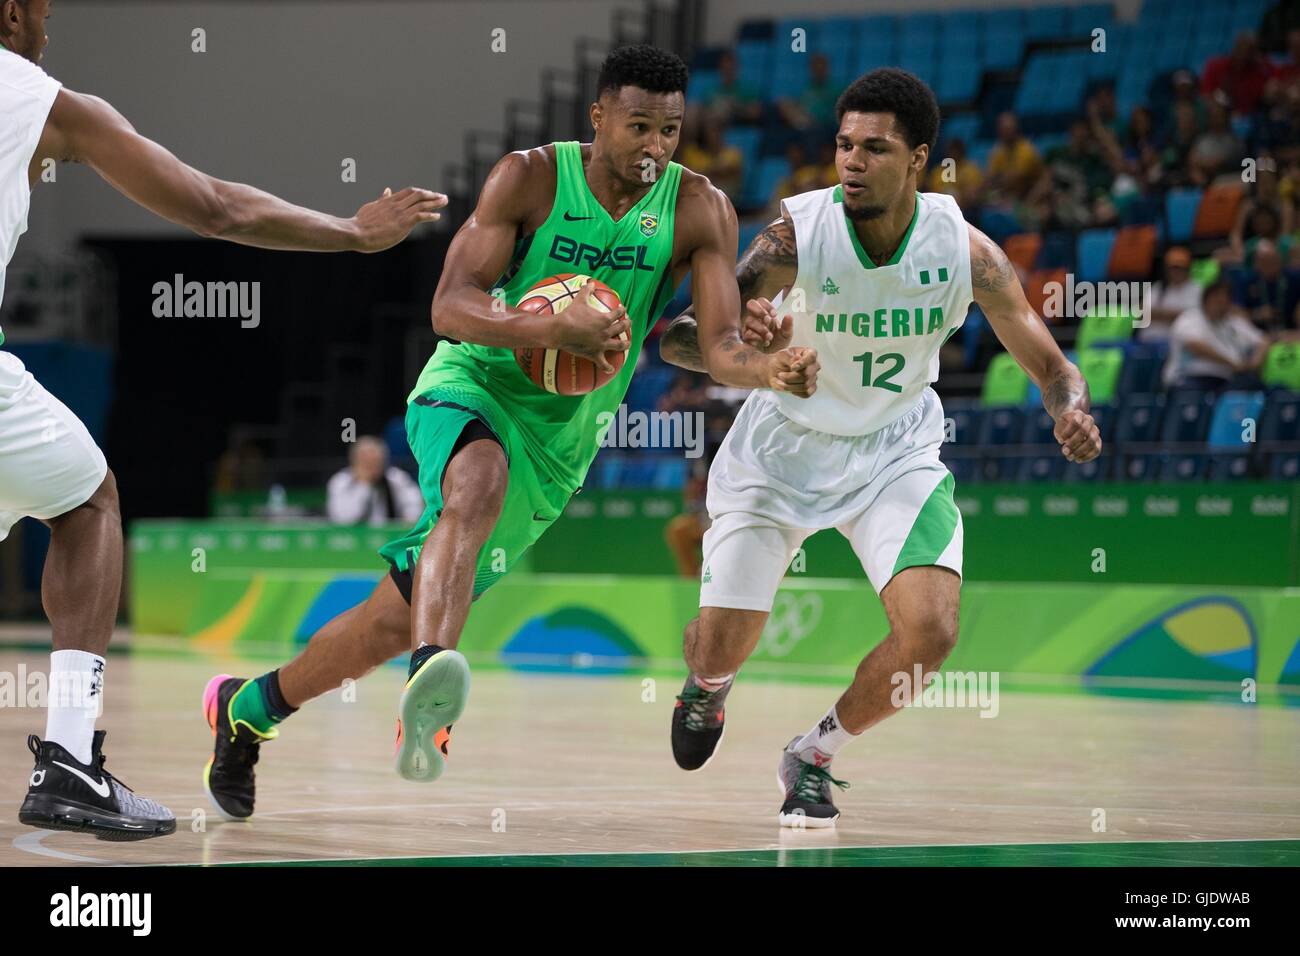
[[875, 276], [50, 468]]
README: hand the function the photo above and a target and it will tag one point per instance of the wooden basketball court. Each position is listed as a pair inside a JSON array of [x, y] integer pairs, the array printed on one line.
[[570, 769]]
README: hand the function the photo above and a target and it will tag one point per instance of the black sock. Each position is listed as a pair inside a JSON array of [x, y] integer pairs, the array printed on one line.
[[420, 655], [272, 698]]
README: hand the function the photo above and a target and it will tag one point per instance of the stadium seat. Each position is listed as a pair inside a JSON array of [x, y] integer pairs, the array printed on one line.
[[1036, 291], [1230, 412], [1023, 248], [998, 467], [1280, 420], [1038, 428], [1230, 466], [966, 416], [1282, 366], [1005, 382], [1217, 211], [1102, 327], [1138, 419], [1143, 362], [1002, 426], [1285, 465], [1101, 369], [1187, 416], [1096, 470], [670, 473], [1133, 254], [1189, 466], [1094, 253], [1181, 207], [1057, 251], [1043, 468], [1142, 467]]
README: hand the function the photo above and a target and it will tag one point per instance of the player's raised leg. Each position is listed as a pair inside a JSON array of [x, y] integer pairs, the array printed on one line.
[[474, 491]]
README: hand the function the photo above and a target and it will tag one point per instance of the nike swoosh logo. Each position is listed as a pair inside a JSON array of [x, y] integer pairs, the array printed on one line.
[[538, 516], [100, 787], [568, 218]]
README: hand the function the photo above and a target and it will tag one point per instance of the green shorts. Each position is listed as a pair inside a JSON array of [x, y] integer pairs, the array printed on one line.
[[532, 501]]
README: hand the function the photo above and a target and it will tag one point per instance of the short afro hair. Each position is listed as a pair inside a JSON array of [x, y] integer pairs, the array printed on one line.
[[890, 90], [643, 66]]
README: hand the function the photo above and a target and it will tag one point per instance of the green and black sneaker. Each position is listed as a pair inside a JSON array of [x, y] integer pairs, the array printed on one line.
[[807, 789], [228, 777], [698, 724]]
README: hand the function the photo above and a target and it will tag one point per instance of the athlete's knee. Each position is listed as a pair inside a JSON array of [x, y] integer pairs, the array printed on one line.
[[931, 629], [724, 636], [474, 488]]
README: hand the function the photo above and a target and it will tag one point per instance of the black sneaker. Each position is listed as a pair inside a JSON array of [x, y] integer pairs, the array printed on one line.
[[807, 789], [698, 724], [66, 794], [228, 777]]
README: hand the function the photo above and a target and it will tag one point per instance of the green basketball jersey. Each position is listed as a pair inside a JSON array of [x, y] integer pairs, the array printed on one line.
[[631, 255]]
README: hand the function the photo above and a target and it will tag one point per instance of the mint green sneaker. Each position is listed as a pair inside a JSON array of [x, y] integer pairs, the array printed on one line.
[[434, 699]]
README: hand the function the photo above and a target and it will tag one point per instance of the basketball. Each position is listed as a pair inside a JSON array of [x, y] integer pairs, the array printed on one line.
[[558, 371]]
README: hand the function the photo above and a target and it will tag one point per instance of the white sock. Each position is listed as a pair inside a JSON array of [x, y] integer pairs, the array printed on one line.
[[76, 697], [712, 683], [818, 746]]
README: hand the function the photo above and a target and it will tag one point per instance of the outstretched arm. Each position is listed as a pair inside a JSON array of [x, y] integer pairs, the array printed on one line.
[[749, 350], [86, 129], [1023, 334]]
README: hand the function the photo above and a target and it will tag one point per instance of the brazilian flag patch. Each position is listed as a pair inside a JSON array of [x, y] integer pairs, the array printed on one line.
[[649, 223]]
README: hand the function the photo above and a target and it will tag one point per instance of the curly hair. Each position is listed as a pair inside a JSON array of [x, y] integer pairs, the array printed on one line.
[[643, 66], [890, 90]]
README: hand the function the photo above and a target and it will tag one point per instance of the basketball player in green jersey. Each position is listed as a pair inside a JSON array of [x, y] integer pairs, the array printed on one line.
[[499, 457], [875, 276]]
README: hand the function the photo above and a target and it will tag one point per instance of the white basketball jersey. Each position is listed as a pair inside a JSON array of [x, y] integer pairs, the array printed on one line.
[[877, 329], [26, 95]]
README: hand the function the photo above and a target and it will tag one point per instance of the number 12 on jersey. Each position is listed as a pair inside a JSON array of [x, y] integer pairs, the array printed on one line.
[[883, 379]]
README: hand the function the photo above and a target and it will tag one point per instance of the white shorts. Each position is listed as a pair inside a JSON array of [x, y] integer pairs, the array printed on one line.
[[775, 482], [49, 464]]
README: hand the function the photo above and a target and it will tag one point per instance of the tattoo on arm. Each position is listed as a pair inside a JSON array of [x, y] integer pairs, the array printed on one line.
[[991, 270], [1065, 391], [680, 343], [773, 250]]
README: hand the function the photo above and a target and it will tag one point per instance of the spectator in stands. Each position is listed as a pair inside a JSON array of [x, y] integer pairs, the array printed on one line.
[[709, 155], [804, 175], [1140, 148], [1264, 194], [733, 101], [1177, 294], [813, 111], [1103, 112], [1240, 75], [1185, 90], [960, 179], [1175, 158], [1269, 293], [1073, 190], [1214, 345], [1014, 163], [370, 492], [1278, 127], [241, 467], [684, 533], [1217, 151]]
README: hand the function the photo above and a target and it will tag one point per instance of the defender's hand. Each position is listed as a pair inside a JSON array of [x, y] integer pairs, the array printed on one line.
[[388, 220], [762, 329], [586, 330], [794, 370], [1077, 432]]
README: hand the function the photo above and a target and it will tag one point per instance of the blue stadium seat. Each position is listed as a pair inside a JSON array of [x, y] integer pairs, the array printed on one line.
[[1139, 419], [1230, 466], [1096, 470], [1230, 412], [1281, 417], [1082, 20], [670, 473], [1057, 251], [1045, 23], [1139, 467], [1043, 468], [1285, 465], [999, 467], [1038, 428], [1190, 466], [1140, 374], [1187, 416], [761, 181], [959, 79], [1002, 426], [1094, 253], [1180, 212], [966, 415], [1004, 45]]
